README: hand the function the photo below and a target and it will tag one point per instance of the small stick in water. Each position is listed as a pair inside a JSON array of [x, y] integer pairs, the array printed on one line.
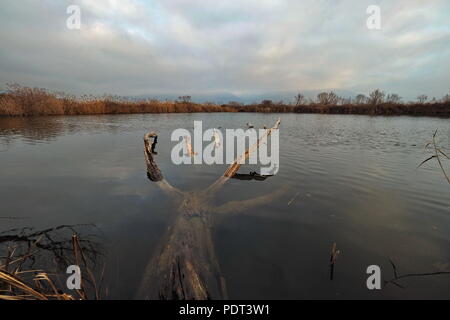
[[293, 198], [334, 254]]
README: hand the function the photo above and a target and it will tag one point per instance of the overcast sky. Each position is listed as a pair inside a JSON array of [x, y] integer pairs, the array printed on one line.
[[135, 47]]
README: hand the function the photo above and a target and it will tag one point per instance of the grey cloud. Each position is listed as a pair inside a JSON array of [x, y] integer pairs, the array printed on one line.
[[136, 47]]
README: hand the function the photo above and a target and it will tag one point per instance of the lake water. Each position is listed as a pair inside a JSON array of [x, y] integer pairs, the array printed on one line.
[[354, 180]]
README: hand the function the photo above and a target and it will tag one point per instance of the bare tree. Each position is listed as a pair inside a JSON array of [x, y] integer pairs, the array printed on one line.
[[185, 99], [360, 99], [376, 96], [234, 104], [345, 100], [300, 100], [393, 98], [327, 98], [422, 98]]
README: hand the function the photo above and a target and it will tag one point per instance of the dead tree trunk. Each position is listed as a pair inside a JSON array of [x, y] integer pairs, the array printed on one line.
[[185, 265]]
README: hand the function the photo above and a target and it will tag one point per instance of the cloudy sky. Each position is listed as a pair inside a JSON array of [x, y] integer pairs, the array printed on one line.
[[137, 47]]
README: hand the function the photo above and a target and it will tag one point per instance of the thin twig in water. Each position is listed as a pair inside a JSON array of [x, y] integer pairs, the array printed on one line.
[[333, 257], [293, 198], [409, 275], [437, 153]]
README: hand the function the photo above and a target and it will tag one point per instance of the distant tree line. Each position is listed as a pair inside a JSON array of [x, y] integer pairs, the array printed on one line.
[[376, 97], [25, 101]]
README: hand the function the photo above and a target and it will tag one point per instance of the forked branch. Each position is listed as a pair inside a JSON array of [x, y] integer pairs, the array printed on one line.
[[155, 174], [153, 171], [236, 164], [397, 277]]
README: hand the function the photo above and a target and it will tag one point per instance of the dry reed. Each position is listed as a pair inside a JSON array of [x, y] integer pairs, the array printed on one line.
[[18, 282], [25, 101]]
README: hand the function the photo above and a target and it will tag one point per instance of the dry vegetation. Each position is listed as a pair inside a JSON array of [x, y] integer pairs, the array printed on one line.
[[25, 101], [437, 154], [24, 250]]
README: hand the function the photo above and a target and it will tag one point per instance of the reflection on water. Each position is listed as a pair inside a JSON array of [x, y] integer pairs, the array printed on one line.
[[355, 180]]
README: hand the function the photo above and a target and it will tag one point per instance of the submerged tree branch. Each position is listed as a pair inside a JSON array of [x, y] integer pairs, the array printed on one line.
[[185, 265], [409, 275]]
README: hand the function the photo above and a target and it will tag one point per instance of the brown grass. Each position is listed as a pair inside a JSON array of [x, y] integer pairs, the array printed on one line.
[[19, 280], [25, 101]]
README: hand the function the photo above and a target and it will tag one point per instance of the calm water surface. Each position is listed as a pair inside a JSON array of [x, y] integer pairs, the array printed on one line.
[[356, 178]]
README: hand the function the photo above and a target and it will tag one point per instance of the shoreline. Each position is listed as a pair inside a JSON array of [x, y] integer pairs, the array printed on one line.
[[445, 113], [30, 102]]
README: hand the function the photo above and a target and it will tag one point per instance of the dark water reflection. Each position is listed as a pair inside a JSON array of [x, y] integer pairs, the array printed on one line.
[[355, 177]]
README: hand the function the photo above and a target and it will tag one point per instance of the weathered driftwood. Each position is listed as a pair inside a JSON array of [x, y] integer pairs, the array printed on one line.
[[185, 265], [234, 167], [153, 171]]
